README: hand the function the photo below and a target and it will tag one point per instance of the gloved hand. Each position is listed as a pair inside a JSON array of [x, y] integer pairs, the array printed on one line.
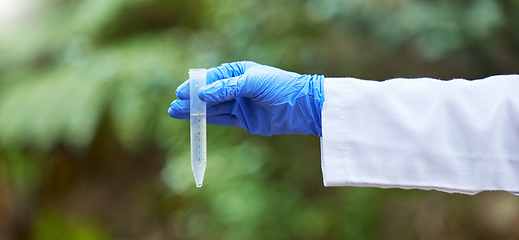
[[261, 99]]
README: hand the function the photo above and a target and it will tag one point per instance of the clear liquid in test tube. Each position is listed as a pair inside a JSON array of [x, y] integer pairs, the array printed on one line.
[[197, 125]]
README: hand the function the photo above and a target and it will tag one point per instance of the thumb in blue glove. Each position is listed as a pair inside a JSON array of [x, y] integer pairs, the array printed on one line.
[[261, 99]]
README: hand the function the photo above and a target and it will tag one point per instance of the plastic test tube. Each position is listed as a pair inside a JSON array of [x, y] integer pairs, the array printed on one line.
[[197, 125]]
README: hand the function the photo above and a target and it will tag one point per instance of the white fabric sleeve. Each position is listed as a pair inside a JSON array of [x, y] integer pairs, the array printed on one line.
[[454, 136]]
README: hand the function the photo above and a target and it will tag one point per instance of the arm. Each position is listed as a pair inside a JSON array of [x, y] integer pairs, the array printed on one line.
[[454, 136]]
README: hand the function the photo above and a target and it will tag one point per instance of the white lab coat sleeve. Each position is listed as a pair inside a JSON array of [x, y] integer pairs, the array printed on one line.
[[454, 136]]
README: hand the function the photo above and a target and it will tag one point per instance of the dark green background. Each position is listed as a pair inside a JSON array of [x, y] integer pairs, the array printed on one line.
[[87, 150]]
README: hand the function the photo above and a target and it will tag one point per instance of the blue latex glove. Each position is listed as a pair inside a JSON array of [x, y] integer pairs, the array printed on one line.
[[261, 99]]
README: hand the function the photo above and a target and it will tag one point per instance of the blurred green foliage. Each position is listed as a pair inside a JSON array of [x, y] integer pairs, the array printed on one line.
[[87, 150]]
